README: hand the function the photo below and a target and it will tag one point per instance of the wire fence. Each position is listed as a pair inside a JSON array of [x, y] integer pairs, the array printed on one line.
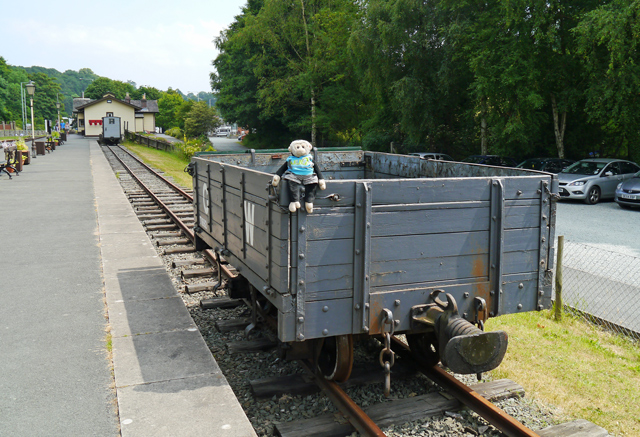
[[603, 287]]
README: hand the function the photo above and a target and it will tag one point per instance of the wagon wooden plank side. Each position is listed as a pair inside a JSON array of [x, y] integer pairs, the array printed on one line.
[[392, 236]]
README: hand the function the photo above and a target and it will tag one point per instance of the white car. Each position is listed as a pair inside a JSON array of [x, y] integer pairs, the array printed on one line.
[[594, 179], [223, 132]]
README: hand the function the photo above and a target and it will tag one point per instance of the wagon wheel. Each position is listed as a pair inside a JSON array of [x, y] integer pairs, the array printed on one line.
[[335, 358], [424, 347]]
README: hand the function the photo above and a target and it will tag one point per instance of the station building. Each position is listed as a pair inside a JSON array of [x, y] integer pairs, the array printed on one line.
[[135, 115]]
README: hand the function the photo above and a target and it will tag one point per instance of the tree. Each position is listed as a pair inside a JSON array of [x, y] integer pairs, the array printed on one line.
[[150, 92], [416, 85], [168, 106], [200, 120], [303, 53], [608, 43], [237, 85], [10, 94], [101, 86], [46, 95]]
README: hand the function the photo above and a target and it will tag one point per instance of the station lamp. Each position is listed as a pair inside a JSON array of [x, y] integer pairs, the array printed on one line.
[[31, 89]]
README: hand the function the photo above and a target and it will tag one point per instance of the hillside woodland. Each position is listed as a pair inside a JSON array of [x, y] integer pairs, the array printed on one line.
[[52, 86]]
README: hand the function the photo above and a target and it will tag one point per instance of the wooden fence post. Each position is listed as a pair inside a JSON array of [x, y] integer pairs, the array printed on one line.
[[558, 304]]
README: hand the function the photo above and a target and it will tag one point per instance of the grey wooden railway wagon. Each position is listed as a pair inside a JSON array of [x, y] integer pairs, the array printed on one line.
[[111, 132], [386, 233]]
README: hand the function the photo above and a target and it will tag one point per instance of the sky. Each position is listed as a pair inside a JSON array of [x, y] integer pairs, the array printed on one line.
[[153, 43]]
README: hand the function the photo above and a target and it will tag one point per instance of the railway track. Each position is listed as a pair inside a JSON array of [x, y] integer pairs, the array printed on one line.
[[166, 211]]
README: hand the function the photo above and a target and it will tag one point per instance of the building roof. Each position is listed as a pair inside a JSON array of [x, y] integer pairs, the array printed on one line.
[[78, 102], [138, 105], [151, 105]]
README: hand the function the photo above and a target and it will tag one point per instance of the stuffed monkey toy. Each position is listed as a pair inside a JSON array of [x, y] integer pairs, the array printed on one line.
[[302, 174]]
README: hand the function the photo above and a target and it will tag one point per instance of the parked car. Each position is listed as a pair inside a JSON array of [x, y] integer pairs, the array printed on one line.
[[223, 131], [495, 160], [628, 192], [429, 155], [550, 165], [594, 179]]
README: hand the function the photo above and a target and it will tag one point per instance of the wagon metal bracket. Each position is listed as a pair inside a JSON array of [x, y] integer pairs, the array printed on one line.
[[462, 347]]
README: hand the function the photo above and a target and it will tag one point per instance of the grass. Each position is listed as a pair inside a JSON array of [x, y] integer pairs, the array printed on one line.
[[584, 371], [172, 163]]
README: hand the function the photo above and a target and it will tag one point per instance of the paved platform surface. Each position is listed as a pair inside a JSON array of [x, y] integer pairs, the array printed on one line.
[[73, 254]]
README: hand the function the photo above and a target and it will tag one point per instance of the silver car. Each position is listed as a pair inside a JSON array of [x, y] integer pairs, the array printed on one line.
[[429, 155], [594, 179], [628, 192]]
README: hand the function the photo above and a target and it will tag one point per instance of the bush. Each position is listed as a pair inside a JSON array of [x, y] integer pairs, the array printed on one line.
[[190, 146], [174, 132]]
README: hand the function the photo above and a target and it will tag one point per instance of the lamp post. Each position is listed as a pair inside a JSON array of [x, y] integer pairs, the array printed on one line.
[[58, 107], [24, 105], [31, 89]]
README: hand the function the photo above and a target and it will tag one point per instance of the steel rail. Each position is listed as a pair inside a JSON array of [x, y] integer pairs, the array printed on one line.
[[185, 228], [353, 413], [469, 397], [208, 253], [176, 187]]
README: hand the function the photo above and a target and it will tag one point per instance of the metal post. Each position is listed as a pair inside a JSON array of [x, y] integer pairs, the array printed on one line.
[[558, 304], [24, 106], [33, 133], [58, 107]]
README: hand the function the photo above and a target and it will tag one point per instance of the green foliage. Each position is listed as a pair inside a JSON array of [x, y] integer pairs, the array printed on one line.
[[168, 105], [189, 147], [608, 43], [200, 120], [174, 132], [149, 92], [102, 85], [431, 75]]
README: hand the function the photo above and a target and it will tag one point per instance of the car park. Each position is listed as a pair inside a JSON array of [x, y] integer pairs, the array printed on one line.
[[495, 160], [430, 155], [549, 165], [594, 179], [628, 192]]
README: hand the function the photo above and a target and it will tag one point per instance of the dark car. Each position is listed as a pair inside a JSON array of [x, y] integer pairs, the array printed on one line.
[[628, 192], [495, 160], [594, 179], [550, 165]]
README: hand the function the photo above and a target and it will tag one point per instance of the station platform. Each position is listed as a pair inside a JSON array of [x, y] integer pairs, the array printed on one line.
[[94, 339]]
